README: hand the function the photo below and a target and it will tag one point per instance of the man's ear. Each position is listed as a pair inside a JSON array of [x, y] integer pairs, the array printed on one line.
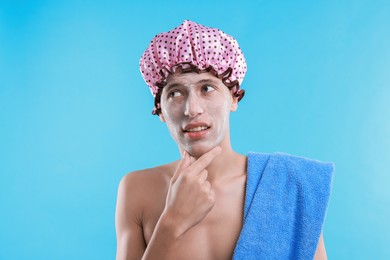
[[162, 118]]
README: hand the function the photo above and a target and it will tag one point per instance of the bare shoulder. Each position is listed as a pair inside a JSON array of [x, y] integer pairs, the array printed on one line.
[[149, 177], [136, 192], [136, 184]]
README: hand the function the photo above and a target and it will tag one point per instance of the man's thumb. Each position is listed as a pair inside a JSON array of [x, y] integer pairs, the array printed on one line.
[[184, 163]]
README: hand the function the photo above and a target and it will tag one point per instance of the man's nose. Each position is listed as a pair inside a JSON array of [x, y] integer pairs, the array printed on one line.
[[193, 106]]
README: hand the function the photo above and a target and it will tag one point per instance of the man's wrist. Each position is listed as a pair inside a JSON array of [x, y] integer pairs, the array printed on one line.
[[169, 226]]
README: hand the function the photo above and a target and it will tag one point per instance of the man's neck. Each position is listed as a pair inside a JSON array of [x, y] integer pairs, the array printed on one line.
[[228, 164]]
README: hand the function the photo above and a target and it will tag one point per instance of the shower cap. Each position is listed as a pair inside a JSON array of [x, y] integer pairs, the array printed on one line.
[[192, 47]]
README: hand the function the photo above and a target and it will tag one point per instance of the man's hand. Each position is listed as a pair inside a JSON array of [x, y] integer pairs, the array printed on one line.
[[190, 196]]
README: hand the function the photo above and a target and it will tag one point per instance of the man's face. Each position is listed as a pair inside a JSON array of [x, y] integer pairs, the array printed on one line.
[[196, 108]]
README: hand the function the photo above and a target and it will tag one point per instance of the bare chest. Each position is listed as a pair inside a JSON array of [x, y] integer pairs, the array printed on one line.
[[216, 235]]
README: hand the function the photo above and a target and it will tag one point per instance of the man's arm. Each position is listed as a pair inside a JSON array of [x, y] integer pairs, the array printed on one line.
[[321, 252], [130, 240]]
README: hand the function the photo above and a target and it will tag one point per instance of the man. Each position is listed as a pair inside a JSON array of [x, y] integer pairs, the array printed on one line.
[[214, 203]]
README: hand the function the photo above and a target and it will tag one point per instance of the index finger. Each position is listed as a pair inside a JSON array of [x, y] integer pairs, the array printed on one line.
[[205, 159]]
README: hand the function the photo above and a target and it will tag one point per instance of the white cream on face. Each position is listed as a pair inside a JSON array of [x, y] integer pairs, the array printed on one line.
[[192, 98]]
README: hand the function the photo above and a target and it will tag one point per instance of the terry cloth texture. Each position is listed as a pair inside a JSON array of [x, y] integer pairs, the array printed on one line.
[[285, 205]]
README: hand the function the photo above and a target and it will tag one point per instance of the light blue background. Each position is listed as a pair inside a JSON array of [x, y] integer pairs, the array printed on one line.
[[75, 113]]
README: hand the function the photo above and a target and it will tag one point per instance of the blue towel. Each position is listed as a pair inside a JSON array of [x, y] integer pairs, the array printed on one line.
[[285, 205]]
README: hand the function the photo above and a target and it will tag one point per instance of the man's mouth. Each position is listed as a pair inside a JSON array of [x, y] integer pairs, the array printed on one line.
[[196, 129]]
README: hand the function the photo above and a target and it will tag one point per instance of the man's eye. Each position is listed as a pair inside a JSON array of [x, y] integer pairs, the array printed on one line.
[[174, 94], [207, 88]]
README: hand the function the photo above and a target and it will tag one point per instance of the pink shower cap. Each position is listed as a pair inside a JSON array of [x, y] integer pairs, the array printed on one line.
[[192, 47]]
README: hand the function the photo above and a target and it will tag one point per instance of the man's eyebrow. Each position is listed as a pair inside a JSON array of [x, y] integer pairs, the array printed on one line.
[[202, 81], [173, 85]]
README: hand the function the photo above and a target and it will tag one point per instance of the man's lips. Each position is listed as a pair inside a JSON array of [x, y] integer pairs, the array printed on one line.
[[195, 127]]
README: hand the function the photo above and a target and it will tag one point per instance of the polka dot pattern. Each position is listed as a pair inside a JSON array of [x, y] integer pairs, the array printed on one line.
[[195, 44]]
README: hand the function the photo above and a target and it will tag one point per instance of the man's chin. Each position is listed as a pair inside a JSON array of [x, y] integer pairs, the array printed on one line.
[[198, 151]]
